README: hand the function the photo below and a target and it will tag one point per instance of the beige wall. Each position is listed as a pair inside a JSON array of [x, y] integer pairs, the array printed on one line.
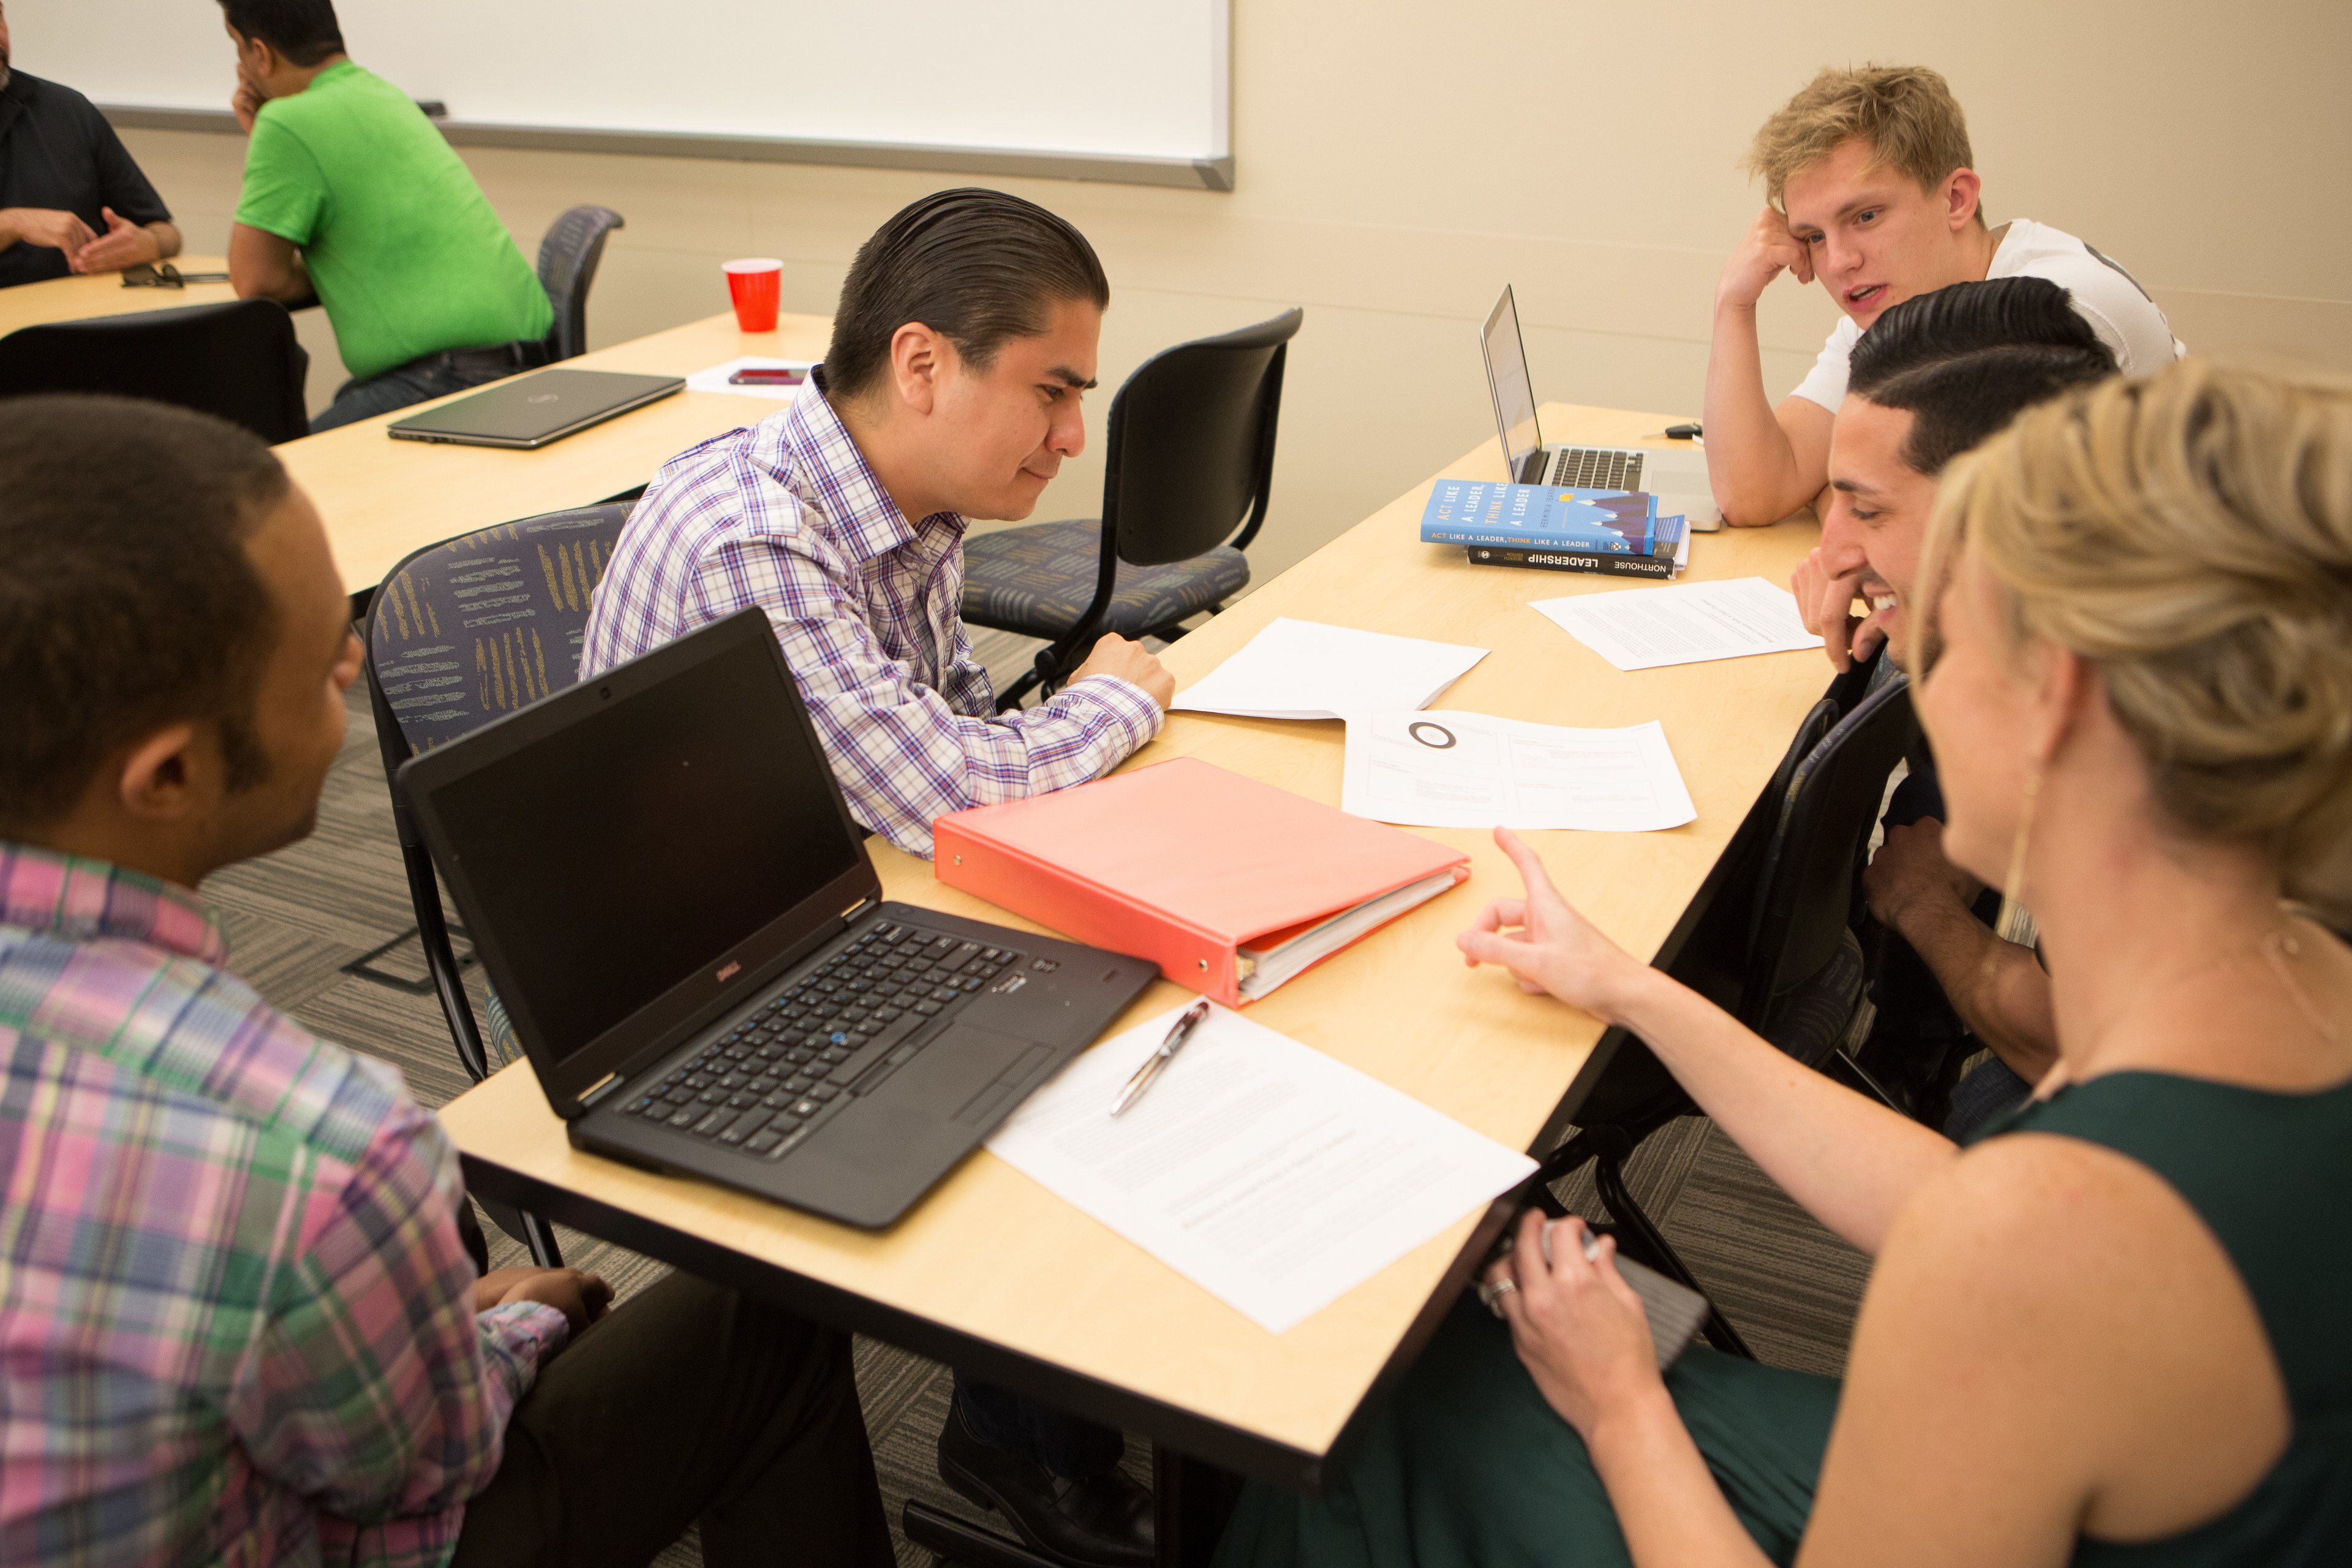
[[1399, 161]]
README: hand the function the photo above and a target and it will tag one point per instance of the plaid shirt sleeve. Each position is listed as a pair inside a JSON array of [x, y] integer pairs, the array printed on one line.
[[903, 753], [375, 1390]]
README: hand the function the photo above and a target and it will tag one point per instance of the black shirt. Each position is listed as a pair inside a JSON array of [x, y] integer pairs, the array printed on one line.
[[56, 151]]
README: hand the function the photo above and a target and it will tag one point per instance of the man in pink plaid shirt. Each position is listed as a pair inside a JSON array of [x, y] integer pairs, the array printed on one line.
[[965, 337], [240, 1321]]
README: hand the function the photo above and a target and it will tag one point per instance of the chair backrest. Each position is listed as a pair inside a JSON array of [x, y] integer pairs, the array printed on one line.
[[1804, 895], [567, 254], [483, 624], [1189, 445], [237, 360]]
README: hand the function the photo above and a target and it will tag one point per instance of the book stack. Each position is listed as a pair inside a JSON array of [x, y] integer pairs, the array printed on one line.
[[1617, 532]]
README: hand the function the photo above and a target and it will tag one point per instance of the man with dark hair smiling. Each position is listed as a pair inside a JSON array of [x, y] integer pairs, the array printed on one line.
[[239, 1322], [965, 337], [1933, 378], [71, 199]]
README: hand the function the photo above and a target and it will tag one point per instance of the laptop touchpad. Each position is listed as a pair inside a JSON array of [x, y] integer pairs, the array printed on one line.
[[917, 1106]]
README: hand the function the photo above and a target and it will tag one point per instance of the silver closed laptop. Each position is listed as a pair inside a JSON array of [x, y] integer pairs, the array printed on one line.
[[529, 411]]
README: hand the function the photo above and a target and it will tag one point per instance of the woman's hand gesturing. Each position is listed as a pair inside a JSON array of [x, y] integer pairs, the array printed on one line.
[[1547, 946]]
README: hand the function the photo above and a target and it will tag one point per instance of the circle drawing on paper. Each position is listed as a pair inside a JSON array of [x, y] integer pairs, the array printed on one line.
[[1422, 730]]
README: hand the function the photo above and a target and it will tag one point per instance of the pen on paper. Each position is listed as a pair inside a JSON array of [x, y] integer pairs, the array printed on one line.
[[1157, 1062]]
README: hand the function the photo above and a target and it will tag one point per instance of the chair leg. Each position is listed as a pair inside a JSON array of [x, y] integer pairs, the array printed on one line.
[[952, 1540], [1641, 1241], [1010, 698], [1855, 1076], [539, 1238]]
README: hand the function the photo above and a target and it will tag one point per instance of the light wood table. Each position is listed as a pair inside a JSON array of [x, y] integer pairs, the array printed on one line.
[[102, 294], [381, 497], [997, 1276]]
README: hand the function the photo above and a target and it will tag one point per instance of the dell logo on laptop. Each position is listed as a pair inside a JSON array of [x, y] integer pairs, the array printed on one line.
[[730, 972]]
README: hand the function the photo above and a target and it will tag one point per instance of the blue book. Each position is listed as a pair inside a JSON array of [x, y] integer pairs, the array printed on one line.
[[1482, 512]]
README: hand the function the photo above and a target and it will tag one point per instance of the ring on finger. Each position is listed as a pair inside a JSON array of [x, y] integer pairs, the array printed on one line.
[[1493, 1290]]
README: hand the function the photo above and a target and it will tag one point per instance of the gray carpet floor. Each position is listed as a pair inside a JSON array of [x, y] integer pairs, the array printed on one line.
[[299, 922]]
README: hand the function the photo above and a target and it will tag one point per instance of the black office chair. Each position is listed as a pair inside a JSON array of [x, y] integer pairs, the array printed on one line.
[[237, 360], [1191, 444], [1804, 971], [569, 255], [1800, 976], [460, 632]]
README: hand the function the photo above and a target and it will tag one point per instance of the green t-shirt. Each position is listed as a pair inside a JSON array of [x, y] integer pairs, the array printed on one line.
[[406, 255]]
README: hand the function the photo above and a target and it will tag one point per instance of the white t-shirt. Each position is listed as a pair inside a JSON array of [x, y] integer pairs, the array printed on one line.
[[2118, 309]]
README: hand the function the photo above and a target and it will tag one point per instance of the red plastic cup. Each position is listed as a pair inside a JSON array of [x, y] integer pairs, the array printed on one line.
[[755, 285]]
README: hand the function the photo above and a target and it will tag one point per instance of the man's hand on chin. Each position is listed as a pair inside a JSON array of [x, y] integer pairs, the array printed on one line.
[[1825, 603]]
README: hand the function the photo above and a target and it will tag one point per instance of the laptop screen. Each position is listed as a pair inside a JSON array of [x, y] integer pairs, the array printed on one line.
[[619, 854], [1507, 375]]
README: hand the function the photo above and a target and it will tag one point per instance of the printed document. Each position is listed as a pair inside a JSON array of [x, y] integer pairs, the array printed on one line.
[[1259, 1168], [715, 378], [1642, 628], [1471, 770], [1305, 670]]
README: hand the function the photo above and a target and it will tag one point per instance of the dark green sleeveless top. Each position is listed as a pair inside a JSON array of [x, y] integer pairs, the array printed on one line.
[[2271, 1174]]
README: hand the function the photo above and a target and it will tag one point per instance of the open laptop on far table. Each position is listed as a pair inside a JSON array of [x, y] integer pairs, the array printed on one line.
[[529, 411], [1676, 475], [662, 880]]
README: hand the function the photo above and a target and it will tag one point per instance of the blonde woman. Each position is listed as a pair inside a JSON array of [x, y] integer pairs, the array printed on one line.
[[2112, 1330]]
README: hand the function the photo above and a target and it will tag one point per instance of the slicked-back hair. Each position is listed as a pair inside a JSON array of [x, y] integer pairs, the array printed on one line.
[[976, 266], [1967, 360], [304, 31], [126, 600]]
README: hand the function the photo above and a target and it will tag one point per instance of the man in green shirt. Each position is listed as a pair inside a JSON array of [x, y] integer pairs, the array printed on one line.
[[351, 193]]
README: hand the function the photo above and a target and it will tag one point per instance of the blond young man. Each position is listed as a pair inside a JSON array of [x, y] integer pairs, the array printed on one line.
[[1873, 192]]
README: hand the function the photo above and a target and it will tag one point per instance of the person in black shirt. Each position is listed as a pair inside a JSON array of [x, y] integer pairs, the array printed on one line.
[[70, 198]]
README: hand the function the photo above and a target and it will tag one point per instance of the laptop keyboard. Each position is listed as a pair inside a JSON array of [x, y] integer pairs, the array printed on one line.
[[835, 1034], [1595, 468]]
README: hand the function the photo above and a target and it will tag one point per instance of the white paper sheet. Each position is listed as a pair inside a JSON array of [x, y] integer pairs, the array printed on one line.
[[1471, 770], [1305, 670], [715, 378], [1643, 628], [1260, 1169]]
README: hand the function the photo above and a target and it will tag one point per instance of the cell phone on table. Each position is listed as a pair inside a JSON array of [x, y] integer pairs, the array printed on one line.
[[768, 376]]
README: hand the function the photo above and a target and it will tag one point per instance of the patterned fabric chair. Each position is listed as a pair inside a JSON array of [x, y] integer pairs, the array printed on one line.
[[1191, 444], [459, 634]]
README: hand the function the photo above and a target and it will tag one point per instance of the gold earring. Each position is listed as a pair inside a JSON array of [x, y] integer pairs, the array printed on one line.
[[2014, 923]]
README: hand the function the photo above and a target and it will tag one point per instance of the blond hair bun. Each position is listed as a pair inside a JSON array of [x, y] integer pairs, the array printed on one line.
[[2190, 533]]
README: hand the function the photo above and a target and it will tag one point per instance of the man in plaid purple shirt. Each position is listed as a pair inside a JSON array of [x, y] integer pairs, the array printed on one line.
[[965, 337], [240, 1321]]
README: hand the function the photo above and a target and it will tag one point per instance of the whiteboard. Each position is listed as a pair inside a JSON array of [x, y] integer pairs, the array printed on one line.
[[1089, 85]]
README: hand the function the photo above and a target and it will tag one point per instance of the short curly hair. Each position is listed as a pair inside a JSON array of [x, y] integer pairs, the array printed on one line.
[[127, 599]]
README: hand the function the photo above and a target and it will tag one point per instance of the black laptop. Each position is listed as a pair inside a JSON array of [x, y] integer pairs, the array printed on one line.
[[666, 886], [528, 411]]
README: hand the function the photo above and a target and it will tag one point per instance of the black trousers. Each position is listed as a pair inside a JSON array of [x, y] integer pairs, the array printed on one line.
[[689, 1403]]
